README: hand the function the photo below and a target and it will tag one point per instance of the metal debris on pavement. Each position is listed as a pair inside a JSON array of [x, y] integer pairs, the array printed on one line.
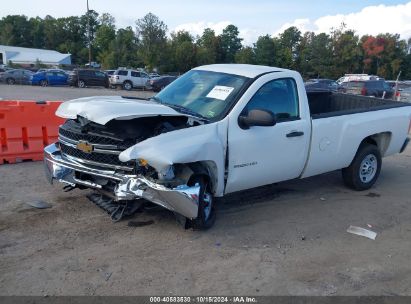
[[362, 232], [39, 204]]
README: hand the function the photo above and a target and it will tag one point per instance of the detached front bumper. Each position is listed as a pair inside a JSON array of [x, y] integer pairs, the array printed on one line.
[[182, 199]]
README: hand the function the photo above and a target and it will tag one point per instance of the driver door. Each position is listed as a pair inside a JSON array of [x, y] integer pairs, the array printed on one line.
[[264, 155]]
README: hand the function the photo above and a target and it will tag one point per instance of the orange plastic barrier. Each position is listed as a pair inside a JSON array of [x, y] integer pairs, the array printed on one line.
[[25, 128]]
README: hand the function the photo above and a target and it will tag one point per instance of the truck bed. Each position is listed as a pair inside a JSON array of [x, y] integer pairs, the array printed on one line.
[[328, 104]]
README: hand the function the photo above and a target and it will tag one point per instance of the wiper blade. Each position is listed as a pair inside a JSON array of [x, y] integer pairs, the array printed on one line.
[[155, 98], [185, 110], [180, 109]]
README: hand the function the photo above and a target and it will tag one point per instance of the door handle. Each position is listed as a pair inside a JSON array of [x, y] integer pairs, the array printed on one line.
[[295, 134]]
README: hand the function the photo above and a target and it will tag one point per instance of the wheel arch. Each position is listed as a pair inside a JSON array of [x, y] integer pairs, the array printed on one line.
[[206, 169], [381, 140]]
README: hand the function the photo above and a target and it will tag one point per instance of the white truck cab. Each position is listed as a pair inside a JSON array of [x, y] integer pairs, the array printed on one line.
[[219, 129]]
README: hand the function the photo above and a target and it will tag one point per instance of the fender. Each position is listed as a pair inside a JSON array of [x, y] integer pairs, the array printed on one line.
[[201, 143]]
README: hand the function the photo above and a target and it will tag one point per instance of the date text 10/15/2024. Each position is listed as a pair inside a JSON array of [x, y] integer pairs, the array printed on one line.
[[203, 299]]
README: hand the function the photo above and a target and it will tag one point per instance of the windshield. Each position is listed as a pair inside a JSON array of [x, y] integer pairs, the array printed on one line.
[[208, 94]]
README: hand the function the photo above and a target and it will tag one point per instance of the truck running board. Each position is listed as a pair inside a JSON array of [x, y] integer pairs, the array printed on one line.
[[117, 210]]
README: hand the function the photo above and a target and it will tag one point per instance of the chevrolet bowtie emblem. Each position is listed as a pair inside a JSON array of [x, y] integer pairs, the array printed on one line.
[[84, 146]]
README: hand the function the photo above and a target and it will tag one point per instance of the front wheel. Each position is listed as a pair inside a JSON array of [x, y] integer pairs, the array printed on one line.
[[364, 170], [44, 83], [206, 209], [11, 81]]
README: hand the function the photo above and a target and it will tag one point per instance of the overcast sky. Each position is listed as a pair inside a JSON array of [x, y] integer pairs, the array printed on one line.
[[252, 17]]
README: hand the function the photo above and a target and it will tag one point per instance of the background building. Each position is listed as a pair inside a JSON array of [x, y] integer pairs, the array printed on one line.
[[27, 56]]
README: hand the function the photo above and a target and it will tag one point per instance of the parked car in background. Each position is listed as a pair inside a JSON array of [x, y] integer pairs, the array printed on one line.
[[2, 71], [159, 83], [375, 88], [53, 70], [84, 78], [153, 75], [50, 77], [109, 72], [321, 84], [129, 79], [93, 64], [358, 77], [17, 76]]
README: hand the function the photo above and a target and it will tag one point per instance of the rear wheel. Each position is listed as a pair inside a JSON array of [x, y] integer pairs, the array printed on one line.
[[127, 85], [44, 83], [364, 170], [81, 83], [206, 209], [11, 81]]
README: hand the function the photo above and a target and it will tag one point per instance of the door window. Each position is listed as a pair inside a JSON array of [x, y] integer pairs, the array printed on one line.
[[122, 73], [100, 74], [278, 96], [386, 86], [135, 74]]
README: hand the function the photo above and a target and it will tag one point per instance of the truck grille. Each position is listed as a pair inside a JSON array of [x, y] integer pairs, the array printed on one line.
[[68, 140], [97, 140], [106, 159]]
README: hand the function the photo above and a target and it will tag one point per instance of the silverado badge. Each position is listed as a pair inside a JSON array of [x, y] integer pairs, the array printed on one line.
[[84, 146]]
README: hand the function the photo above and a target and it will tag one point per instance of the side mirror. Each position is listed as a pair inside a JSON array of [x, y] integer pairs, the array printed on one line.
[[257, 117]]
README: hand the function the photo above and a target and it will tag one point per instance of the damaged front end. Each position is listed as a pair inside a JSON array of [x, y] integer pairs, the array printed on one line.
[[119, 185], [87, 156]]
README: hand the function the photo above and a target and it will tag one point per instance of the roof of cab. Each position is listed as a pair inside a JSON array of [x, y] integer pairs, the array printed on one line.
[[246, 70]]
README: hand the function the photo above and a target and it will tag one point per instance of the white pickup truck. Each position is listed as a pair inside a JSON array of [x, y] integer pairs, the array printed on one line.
[[219, 129]]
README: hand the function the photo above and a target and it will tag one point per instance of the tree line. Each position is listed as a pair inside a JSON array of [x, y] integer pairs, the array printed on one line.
[[148, 45]]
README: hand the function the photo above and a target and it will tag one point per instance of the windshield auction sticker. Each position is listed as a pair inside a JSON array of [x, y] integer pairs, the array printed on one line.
[[220, 92]]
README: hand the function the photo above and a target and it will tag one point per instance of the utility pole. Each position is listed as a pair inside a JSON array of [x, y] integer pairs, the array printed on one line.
[[88, 34]]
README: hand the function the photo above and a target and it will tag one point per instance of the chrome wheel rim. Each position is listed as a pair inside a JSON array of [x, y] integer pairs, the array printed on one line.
[[368, 168], [127, 86], [81, 84]]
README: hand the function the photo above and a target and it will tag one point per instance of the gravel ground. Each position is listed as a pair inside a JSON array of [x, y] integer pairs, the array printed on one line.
[[25, 92], [284, 239]]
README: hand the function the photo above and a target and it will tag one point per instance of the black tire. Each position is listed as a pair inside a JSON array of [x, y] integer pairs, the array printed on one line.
[[11, 81], [205, 218], [44, 83], [127, 85], [365, 168], [81, 83]]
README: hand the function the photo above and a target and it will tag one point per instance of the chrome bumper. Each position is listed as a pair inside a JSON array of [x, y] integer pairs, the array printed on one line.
[[182, 199]]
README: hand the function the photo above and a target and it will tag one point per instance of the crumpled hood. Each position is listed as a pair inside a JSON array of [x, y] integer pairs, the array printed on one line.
[[102, 109]]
